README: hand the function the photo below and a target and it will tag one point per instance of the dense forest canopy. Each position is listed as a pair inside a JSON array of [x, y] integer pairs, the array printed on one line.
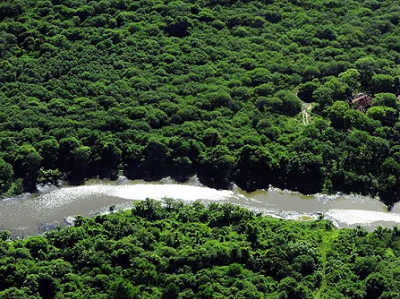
[[192, 251], [214, 87]]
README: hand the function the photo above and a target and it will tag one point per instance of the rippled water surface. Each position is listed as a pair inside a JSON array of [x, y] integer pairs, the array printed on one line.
[[30, 215]]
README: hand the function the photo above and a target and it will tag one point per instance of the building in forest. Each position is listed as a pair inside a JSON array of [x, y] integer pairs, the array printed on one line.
[[362, 102]]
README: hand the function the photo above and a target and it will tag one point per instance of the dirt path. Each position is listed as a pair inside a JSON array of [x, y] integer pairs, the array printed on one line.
[[305, 111], [324, 248]]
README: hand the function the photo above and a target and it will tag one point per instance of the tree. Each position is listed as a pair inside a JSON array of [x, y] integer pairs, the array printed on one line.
[[80, 160], [171, 291], [305, 171], [156, 118], [27, 165], [211, 137], [110, 160], [47, 286], [338, 113], [156, 156], [382, 83], [324, 96], [182, 165], [219, 99], [351, 77], [216, 165], [256, 168], [389, 182], [264, 89], [67, 146], [291, 104], [292, 289], [74, 159], [14, 293], [375, 285], [133, 159], [387, 100], [38, 246], [367, 67], [306, 90], [273, 104], [179, 27], [48, 149], [386, 115], [260, 76], [6, 175]]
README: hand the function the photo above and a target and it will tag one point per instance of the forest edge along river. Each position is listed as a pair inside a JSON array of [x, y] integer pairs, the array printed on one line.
[[52, 206]]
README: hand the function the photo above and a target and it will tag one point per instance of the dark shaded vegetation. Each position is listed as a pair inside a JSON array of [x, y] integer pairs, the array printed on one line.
[[193, 251], [156, 88]]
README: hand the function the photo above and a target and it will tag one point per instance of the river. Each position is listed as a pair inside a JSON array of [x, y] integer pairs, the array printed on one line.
[[52, 207]]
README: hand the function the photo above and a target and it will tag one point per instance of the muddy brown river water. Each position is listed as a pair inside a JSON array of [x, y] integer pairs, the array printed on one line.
[[52, 207]]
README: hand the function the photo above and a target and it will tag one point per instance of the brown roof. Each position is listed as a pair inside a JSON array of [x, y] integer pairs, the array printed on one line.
[[360, 97], [362, 102]]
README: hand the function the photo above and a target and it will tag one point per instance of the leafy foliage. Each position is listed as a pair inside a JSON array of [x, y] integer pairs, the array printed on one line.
[[158, 88], [192, 251]]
